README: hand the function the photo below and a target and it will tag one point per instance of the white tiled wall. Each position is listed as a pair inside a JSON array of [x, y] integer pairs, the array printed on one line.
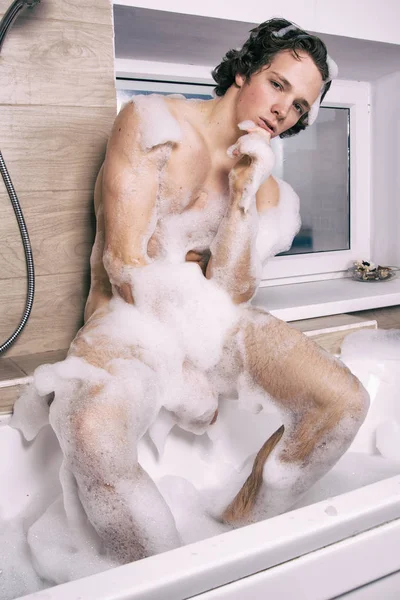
[[366, 19], [386, 169]]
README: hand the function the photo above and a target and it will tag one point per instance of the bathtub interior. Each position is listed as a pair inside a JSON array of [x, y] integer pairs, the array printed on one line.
[[196, 474]]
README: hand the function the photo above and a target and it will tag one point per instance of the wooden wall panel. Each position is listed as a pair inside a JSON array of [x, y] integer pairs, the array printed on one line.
[[56, 315], [54, 147], [57, 106], [84, 11], [53, 62], [61, 229]]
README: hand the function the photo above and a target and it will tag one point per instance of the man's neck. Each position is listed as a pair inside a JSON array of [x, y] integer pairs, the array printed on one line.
[[220, 127]]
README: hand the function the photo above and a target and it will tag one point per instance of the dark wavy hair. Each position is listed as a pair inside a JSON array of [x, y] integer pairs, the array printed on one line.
[[259, 50]]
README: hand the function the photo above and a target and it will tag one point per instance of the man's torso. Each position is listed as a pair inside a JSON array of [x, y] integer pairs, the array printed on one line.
[[192, 199]]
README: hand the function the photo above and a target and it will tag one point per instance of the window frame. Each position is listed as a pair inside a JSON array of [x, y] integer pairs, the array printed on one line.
[[327, 265]]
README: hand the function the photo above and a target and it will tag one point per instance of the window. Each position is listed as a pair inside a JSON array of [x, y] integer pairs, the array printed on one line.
[[327, 165], [127, 88], [349, 240], [316, 163]]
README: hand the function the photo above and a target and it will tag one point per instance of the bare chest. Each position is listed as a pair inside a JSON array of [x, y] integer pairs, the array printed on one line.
[[192, 199]]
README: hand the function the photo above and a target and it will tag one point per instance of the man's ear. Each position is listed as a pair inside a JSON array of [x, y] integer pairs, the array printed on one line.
[[239, 79]]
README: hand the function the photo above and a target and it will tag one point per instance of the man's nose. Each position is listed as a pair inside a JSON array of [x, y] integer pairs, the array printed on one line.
[[281, 110]]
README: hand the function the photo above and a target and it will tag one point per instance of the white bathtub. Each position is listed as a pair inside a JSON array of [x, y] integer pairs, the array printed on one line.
[[320, 551]]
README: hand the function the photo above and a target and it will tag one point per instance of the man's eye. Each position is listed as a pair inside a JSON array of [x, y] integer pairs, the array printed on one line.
[[276, 85], [299, 108]]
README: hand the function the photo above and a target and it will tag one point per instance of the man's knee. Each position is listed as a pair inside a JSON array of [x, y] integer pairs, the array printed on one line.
[[334, 420], [344, 394], [355, 405], [102, 443]]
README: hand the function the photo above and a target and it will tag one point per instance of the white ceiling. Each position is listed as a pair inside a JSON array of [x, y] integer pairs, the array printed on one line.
[[152, 35]]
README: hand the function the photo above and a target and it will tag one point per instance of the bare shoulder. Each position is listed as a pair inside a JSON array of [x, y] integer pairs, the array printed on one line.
[[154, 120], [146, 122], [182, 109], [125, 137], [189, 114], [193, 150], [268, 195]]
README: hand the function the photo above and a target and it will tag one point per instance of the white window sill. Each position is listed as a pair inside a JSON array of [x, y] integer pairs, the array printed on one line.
[[330, 297]]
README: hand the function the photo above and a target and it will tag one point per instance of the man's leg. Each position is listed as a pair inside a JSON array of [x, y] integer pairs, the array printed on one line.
[[322, 407], [195, 406], [98, 425]]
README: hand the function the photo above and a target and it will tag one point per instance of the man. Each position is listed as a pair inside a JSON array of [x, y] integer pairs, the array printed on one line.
[[189, 182]]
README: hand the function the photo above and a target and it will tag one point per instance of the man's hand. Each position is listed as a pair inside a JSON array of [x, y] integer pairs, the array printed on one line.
[[255, 165], [125, 291]]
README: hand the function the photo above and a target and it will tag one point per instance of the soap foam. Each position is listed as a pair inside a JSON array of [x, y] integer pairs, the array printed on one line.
[[257, 147], [196, 478], [374, 357], [17, 574], [157, 374], [190, 510], [157, 125], [379, 344], [279, 225], [31, 412]]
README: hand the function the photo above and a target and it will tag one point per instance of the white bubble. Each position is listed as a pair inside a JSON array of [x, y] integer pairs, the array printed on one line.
[[160, 429], [379, 344], [147, 407], [354, 470], [31, 412], [388, 439], [279, 225], [157, 125], [190, 510]]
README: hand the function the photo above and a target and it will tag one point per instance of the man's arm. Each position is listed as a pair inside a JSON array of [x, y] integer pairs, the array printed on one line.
[[235, 264], [130, 181], [261, 236]]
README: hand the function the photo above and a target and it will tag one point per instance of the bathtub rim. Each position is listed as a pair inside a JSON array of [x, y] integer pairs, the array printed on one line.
[[228, 557]]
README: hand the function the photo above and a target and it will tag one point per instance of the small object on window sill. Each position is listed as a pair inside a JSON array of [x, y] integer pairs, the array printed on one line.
[[365, 270]]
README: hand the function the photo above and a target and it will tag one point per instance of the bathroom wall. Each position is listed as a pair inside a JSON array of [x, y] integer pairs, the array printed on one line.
[[386, 170], [57, 105], [351, 18]]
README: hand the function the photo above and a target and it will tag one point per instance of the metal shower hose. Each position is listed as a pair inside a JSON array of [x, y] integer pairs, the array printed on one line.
[[28, 254], [9, 17]]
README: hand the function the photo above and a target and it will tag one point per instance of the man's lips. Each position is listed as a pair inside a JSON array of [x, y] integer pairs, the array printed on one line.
[[267, 125]]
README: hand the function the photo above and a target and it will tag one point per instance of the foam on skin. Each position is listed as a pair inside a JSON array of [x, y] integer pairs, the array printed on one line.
[[285, 483], [239, 270], [157, 357], [177, 340], [191, 500], [175, 334], [158, 126], [280, 224], [98, 435], [257, 147]]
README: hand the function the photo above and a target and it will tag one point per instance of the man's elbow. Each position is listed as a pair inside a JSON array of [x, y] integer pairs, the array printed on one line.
[[245, 295], [117, 262]]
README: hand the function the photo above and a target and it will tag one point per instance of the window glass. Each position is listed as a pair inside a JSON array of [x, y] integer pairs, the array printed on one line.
[[316, 164]]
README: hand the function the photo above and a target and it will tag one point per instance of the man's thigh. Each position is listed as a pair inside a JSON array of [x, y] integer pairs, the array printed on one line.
[[283, 362]]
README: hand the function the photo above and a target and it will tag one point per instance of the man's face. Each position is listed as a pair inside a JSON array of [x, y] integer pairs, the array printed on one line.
[[279, 94]]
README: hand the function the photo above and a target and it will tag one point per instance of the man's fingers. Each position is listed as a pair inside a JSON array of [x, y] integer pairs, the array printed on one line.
[[233, 151], [252, 143], [262, 132], [251, 127]]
